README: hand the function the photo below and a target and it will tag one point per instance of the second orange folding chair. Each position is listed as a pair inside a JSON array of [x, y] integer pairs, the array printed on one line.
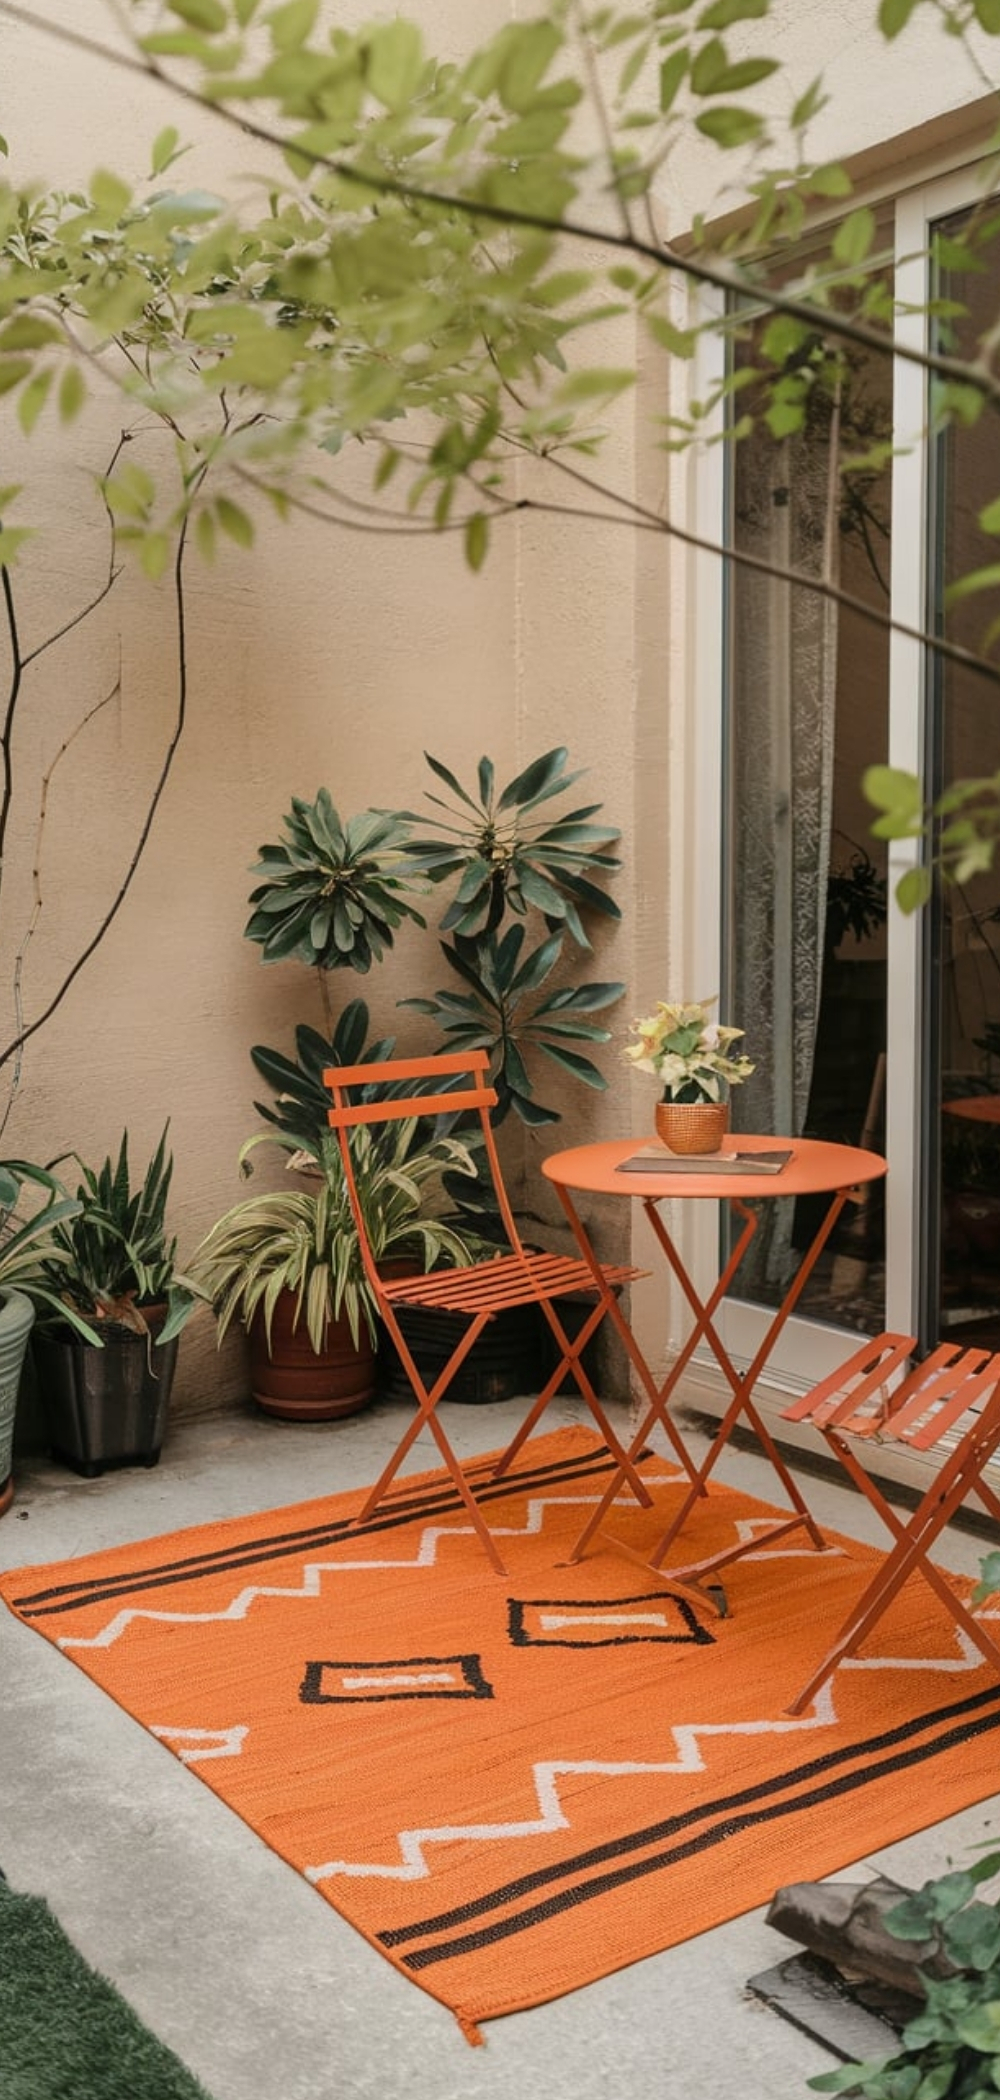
[[947, 1408], [481, 1291]]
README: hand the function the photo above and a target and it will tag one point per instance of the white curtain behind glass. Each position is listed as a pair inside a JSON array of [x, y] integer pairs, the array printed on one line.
[[784, 678]]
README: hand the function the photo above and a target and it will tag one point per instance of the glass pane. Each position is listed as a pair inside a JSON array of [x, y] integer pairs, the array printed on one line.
[[963, 1258], [806, 886]]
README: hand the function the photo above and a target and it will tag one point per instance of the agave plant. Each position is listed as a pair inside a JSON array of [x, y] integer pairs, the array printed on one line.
[[333, 893], [302, 1238]]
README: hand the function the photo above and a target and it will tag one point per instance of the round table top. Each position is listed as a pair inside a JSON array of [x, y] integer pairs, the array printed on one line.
[[814, 1166], [975, 1108]]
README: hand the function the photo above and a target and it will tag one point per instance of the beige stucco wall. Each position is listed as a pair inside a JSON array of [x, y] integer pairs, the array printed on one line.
[[323, 657], [336, 658]]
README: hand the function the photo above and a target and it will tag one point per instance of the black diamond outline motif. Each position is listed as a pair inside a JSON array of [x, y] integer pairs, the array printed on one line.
[[474, 1686]]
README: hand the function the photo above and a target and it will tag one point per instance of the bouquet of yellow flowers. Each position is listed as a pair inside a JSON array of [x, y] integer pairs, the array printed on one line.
[[688, 1052]]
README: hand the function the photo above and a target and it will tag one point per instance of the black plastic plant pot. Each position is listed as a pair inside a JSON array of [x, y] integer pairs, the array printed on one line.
[[104, 1407]]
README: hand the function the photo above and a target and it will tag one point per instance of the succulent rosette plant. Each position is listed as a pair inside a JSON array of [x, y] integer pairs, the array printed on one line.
[[688, 1052]]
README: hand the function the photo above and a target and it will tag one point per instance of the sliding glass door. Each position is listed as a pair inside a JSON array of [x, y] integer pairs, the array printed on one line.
[[868, 1027]]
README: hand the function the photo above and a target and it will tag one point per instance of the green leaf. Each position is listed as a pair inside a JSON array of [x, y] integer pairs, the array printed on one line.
[[854, 236], [154, 553], [672, 73], [600, 382], [530, 51], [830, 180], [893, 16], [890, 788], [976, 580], [164, 150], [477, 536], [292, 25], [987, 13], [32, 400], [28, 332], [979, 2028], [729, 126], [11, 538], [72, 393], [12, 371], [111, 196], [989, 516], [234, 522], [722, 12], [681, 342], [807, 107], [913, 889], [395, 63], [209, 15]]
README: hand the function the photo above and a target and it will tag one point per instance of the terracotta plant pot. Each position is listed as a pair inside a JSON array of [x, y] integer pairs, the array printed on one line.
[[692, 1127], [289, 1380]]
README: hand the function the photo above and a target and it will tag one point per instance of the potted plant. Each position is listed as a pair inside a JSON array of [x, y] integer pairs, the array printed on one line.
[[286, 1262], [105, 1348], [690, 1055], [25, 1242], [525, 881]]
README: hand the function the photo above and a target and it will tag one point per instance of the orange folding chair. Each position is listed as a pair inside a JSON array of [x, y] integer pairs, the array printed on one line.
[[949, 1406], [481, 1290]]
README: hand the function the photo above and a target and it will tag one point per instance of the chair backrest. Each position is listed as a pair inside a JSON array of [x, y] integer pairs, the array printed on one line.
[[469, 1094]]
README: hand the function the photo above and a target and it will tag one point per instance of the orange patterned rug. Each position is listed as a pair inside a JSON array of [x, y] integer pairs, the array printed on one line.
[[515, 1786]]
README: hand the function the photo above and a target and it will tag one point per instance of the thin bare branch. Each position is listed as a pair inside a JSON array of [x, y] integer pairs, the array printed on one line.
[[31, 1028]]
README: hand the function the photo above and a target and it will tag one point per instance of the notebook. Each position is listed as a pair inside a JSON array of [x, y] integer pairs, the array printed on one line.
[[656, 1159]]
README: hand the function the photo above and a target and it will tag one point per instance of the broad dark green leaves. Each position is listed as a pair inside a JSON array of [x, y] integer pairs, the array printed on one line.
[[512, 863], [332, 894]]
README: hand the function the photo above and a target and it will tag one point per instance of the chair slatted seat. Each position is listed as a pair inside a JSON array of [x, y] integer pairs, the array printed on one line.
[[950, 1405]]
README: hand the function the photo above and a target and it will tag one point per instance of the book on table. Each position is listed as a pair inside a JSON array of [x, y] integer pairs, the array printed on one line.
[[656, 1158]]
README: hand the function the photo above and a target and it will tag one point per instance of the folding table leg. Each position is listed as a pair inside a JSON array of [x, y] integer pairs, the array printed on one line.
[[570, 1361]]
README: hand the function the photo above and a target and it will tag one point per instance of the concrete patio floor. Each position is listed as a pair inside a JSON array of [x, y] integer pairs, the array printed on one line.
[[229, 1955]]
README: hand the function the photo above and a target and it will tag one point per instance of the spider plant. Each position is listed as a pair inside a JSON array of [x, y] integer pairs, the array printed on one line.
[[302, 1238]]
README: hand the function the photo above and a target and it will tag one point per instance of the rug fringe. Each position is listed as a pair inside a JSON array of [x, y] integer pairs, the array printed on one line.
[[473, 2034]]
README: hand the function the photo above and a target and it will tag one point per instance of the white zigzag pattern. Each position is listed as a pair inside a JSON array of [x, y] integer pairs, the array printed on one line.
[[215, 1742], [413, 1865], [313, 1572]]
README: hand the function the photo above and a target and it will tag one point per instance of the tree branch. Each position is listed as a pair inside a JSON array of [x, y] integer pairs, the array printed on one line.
[[665, 257], [25, 1033]]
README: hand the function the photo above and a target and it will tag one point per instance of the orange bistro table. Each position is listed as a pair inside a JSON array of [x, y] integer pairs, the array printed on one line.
[[813, 1167]]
